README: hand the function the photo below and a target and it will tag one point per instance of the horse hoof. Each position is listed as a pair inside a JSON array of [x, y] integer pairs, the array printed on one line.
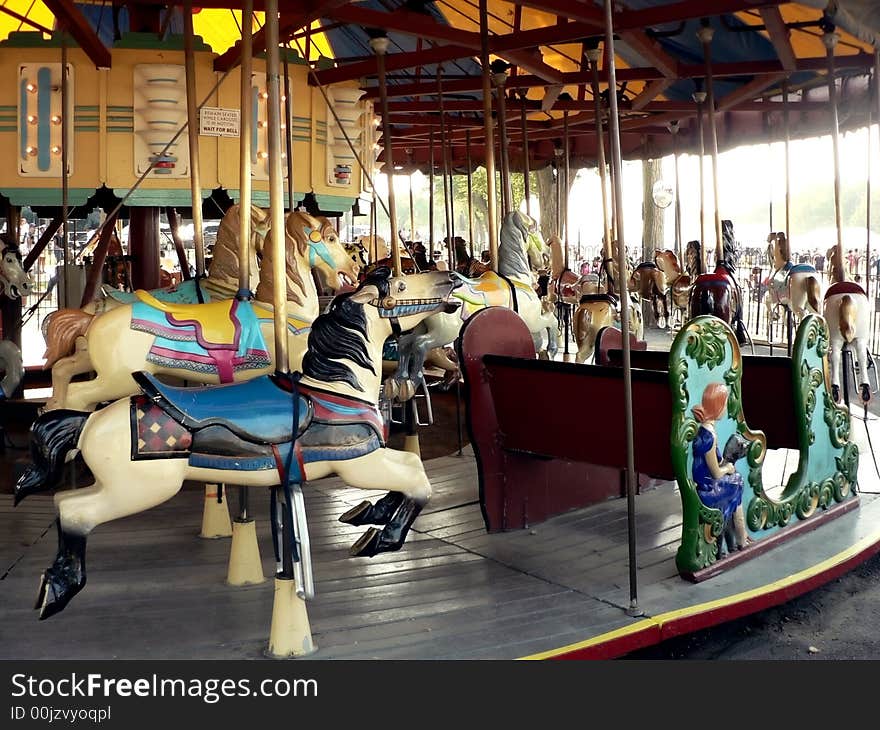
[[835, 393], [391, 388], [57, 588], [407, 390], [367, 545], [355, 516], [41, 593], [866, 393], [367, 513]]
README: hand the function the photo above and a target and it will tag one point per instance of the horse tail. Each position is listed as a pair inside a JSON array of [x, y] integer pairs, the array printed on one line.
[[53, 435], [813, 290], [61, 330], [846, 318]]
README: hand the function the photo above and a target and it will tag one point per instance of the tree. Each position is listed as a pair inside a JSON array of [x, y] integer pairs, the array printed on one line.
[[652, 221]]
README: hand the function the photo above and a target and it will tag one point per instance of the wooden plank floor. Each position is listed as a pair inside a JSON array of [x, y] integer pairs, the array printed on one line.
[[155, 590]]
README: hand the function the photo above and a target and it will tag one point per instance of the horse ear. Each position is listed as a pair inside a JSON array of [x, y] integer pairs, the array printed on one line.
[[365, 294]]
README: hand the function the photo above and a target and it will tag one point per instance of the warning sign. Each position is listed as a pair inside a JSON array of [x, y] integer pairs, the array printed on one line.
[[217, 122]]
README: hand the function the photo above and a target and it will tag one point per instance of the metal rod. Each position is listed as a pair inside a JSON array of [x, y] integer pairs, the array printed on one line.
[[877, 102], [678, 251], [447, 193], [288, 136], [700, 97], [431, 196], [174, 226], [616, 163], [565, 186], [193, 135], [245, 152], [705, 34], [829, 39], [470, 191], [787, 132], [489, 147], [380, 47], [593, 55], [525, 153], [65, 166], [98, 259], [276, 187], [499, 80], [412, 212], [451, 172]]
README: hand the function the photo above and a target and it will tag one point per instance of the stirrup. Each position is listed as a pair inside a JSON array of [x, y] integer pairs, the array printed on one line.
[[395, 412], [302, 568]]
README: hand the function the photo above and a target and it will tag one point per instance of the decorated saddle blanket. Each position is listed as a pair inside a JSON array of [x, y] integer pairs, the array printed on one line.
[[219, 338], [184, 293], [844, 287], [249, 426]]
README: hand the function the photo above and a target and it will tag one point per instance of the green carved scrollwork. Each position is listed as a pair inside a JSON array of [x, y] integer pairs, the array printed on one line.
[[837, 420], [811, 379], [707, 342]]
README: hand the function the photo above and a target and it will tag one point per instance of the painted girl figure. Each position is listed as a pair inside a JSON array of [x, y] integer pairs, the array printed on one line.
[[719, 485]]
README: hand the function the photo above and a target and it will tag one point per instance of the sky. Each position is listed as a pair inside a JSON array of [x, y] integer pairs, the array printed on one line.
[[749, 177]]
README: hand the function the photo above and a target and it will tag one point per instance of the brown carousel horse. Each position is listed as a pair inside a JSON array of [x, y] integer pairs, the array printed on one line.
[[465, 264], [664, 282], [719, 293]]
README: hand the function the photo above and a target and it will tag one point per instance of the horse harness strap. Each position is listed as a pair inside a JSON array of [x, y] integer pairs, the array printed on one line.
[[512, 286]]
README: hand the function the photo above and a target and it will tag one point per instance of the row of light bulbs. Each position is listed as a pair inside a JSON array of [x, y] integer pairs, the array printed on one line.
[[33, 119], [32, 151]]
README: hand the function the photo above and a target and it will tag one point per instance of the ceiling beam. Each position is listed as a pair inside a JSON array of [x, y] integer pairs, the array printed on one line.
[[393, 62], [651, 51], [687, 10], [748, 92], [581, 12], [651, 91], [74, 22], [780, 36]]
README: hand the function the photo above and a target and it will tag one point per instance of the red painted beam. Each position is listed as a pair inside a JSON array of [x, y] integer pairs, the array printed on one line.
[[780, 36], [74, 22]]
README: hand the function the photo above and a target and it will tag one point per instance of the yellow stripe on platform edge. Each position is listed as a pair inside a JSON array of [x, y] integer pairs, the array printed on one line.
[[672, 616]]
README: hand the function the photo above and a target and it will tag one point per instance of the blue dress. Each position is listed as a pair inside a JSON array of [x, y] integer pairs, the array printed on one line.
[[723, 494]]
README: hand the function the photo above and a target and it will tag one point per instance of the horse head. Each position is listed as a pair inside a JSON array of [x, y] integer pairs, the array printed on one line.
[[778, 249], [667, 262], [14, 280], [316, 245], [358, 254], [225, 262]]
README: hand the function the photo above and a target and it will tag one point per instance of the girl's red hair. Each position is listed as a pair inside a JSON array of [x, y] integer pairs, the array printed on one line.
[[714, 403]]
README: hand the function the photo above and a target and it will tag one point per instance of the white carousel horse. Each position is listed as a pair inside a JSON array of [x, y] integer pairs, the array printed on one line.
[[242, 434], [14, 283], [513, 286], [793, 286], [222, 341], [62, 327], [847, 312]]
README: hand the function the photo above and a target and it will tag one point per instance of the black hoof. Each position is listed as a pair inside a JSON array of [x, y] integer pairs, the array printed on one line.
[[65, 577], [373, 514], [866, 393], [392, 536], [835, 393], [367, 545]]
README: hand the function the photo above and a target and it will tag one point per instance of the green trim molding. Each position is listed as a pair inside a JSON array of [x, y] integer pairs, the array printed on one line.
[[158, 197], [46, 196], [327, 203], [145, 41]]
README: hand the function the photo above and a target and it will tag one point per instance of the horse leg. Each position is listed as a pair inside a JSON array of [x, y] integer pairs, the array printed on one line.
[[402, 473], [122, 487], [835, 356], [861, 347], [63, 372]]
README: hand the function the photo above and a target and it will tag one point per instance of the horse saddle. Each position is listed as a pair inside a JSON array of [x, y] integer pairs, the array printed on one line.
[[802, 269], [184, 293], [647, 265], [844, 287], [216, 322], [259, 411], [610, 298]]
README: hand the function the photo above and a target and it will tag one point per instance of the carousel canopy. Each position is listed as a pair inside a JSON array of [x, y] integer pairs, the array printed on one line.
[[757, 49]]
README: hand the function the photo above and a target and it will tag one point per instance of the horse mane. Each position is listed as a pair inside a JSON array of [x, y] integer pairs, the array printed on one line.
[[340, 334], [295, 224], [781, 240], [225, 263], [512, 258], [557, 259], [730, 246], [694, 258]]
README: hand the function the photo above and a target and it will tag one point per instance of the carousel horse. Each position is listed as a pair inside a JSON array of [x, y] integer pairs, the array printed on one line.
[[795, 287], [649, 282], [359, 256], [719, 293], [243, 434], [465, 264], [679, 281], [14, 283], [62, 327], [221, 341], [513, 286], [847, 312]]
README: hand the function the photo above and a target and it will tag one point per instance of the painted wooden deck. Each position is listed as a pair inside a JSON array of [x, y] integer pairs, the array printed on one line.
[[155, 590]]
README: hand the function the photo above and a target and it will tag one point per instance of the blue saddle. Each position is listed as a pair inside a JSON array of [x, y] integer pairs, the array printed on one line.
[[802, 269], [258, 410], [183, 293]]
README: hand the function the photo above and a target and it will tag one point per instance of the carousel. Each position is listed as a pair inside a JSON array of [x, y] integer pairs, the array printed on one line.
[[224, 448]]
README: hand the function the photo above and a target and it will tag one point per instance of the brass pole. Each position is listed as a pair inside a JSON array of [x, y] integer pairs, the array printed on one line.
[[193, 135], [525, 148], [245, 152], [705, 34], [65, 166], [380, 47], [787, 130], [470, 191], [288, 134], [447, 192], [593, 56], [489, 147], [700, 98], [616, 163], [673, 128], [565, 183], [829, 39], [498, 80], [412, 212], [276, 186], [431, 195]]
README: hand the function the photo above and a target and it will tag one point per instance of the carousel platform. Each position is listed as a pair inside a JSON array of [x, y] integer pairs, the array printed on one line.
[[556, 590]]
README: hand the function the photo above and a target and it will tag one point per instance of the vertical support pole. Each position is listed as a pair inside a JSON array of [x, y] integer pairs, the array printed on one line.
[[143, 242], [593, 56], [412, 212], [527, 189], [566, 182], [470, 192], [616, 163], [787, 132], [705, 34], [699, 97], [380, 47], [499, 79], [673, 129], [829, 39], [174, 226], [290, 634], [287, 127], [451, 173], [489, 147], [192, 132], [65, 166], [431, 194], [447, 192]]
